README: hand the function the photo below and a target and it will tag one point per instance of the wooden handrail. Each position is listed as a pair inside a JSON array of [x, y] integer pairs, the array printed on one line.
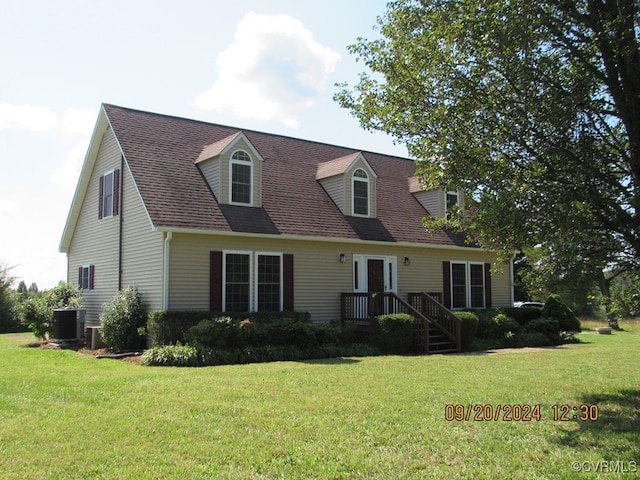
[[356, 307], [440, 316]]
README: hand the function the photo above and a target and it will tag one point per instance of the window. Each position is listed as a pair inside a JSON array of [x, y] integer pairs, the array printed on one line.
[[269, 283], [451, 201], [237, 282], [458, 285], [85, 277], [241, 172], [246, 290], [109, 194], [360, 193], [468, 289]]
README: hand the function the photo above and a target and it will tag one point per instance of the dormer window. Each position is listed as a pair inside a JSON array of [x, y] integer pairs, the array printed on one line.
[[452, 201], [241, 174], [351, 183], [360, 193]]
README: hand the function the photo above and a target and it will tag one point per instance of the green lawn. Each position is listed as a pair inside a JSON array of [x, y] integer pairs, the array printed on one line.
[[67, 415]]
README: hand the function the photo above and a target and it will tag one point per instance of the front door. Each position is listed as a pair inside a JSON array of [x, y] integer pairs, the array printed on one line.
[[375, 284]]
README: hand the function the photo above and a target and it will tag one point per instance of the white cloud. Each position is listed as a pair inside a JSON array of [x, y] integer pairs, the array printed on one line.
[[66, 175], [40, 118], [26, 116], [9, 208], [78, 121], [273, 69]]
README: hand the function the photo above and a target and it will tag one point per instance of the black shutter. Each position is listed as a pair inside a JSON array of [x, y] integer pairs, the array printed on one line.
[[80, 277], [116, 191], [446, 283], [215, 281], [92, 273], [487, 285], [287, 287], [100, 197]]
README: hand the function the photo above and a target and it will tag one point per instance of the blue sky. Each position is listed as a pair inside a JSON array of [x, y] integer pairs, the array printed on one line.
[[262, 65]]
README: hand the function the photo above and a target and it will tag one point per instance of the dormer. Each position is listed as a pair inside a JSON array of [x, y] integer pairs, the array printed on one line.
[[438, 201], [233, 169], [351, 183]]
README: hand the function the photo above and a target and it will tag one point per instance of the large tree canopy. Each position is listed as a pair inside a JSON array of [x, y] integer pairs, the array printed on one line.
[[532, 107]]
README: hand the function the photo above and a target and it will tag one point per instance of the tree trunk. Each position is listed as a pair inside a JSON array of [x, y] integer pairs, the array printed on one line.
[[604, 284]]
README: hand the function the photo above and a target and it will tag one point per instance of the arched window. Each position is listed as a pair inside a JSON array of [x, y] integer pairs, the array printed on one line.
[[360, 193], [240, 179]]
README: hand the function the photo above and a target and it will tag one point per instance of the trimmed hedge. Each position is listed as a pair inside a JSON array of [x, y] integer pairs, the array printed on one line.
[[171, 326], [190, 356], [522, 315], [227, 333], [392, 333], [468, 329]]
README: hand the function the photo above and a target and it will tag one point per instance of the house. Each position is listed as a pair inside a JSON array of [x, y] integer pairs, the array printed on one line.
[[212, 217]]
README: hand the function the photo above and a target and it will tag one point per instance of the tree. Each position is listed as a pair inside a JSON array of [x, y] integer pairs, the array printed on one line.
[[532, 107], [8, 321]]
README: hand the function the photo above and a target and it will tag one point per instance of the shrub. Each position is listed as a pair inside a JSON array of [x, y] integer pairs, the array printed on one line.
[[170, 327], [227, 333], [392, 333], [549, 327], [190, 356], [172, 356], [496, 327], [38, 315], [523, 315], [556, 308], [123, 319], [530, 339], [468, 329]]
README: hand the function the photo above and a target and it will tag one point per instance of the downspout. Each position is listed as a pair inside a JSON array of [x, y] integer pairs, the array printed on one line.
[[165, 270], [120, 199]]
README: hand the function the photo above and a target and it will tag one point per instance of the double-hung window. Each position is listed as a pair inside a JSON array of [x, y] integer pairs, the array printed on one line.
[[108, 194], [360, 193], [468, 289], [252, 281], [240, 178], [237, 282]]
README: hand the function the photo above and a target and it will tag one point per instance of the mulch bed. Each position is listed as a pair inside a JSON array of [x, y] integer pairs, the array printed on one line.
[[80, 347]]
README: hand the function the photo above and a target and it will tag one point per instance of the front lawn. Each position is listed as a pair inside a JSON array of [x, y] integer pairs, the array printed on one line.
[[68, 415]]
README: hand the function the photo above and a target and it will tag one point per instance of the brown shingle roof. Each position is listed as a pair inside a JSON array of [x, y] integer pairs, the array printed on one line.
[[162, 152]]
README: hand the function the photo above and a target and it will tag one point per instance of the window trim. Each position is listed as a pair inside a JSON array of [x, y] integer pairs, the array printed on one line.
[[104, 196], [253, 276], [224, 276], [448, 192], [281, 293], [468, 297], [87, 271], [236, 161], [366, 181]]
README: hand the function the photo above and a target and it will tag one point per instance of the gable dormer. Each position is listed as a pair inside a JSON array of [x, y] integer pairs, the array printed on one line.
[[233, 169], [438, 201], [351, 183]]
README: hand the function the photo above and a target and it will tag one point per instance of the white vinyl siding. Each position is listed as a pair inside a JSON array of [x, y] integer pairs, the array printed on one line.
[[96, 241], [319, 276], [142, 248]]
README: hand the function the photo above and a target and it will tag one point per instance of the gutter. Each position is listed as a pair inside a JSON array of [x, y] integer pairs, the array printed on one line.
[[165, 270]]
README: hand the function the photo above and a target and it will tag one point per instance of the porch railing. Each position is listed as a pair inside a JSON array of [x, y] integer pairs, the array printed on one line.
[[426, 308], [430, 305]]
